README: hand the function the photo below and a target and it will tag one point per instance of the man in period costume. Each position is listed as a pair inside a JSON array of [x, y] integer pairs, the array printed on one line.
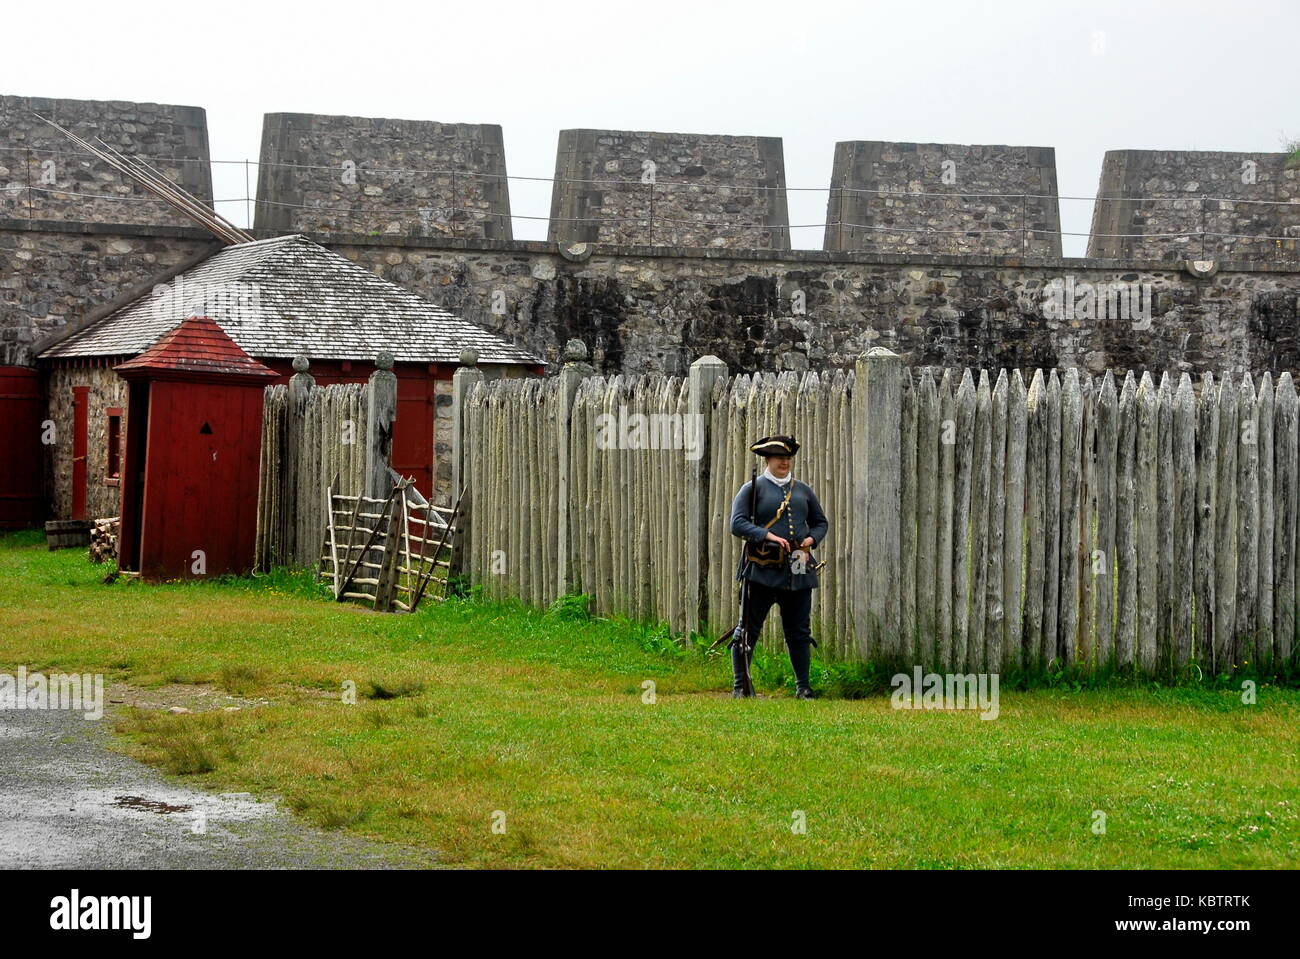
[[781, 521]]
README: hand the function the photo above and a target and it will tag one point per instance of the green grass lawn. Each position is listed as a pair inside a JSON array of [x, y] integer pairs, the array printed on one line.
[[469, 710]]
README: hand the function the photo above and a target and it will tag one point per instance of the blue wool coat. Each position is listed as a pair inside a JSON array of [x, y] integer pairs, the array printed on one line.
[[802, 518]]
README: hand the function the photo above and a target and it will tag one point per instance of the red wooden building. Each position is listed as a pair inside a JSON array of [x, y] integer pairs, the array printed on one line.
[[275, 299], [193, 453]]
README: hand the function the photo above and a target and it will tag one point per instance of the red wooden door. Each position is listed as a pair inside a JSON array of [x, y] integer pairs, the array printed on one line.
[[79, 427], [21, 472], [201, 479], [412, 453]]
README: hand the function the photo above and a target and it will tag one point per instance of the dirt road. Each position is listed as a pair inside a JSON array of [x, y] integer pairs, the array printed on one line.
[[67, 801]]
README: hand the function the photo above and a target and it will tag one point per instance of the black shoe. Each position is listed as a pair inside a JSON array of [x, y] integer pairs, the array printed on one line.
[[739, 694], [803, 692]]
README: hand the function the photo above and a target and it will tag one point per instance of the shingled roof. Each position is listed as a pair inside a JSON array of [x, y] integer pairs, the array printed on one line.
[[290, 295]]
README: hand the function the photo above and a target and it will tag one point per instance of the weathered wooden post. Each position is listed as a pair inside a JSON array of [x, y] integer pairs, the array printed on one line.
[[1284, 526], [1184, 472], [877, 485], [390, 556], [1104, 559], [697, 434], [1225, 527], [1014, 524], [302, 382], [299, 496], [381, 411], [463, 381], [572, 373], [1071, 479], [1146, 498]]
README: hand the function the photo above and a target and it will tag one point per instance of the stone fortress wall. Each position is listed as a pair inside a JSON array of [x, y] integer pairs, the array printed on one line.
[[943, 198], [715, 275], [1243, 205], [326, 174], [670, 189], [45, 176]]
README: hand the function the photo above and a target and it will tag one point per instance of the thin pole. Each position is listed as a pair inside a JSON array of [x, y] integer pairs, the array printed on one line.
[[1024, 223], [163, 186]]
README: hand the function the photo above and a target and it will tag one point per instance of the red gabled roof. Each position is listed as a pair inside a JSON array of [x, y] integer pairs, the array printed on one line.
[[197, 346]]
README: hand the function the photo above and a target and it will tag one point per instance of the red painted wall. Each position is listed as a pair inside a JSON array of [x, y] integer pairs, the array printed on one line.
[[22, 410], [413, 443], [193, 478]]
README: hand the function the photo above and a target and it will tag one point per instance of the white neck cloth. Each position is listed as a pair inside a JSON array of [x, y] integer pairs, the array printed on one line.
[[767, 473]]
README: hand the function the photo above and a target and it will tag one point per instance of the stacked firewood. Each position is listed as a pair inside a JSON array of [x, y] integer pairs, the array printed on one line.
[[103, 540]]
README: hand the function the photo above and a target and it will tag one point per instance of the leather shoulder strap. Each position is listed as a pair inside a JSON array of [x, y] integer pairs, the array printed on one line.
[[784, 503]]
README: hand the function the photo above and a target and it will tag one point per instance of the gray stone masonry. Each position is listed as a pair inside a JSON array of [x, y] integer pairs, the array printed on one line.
[[670, 189], [1246, 204], [329, 174], [648, 309], [46, 176], [943, 198]]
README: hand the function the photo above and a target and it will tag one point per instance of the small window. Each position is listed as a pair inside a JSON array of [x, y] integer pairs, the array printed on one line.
[[113, 471]]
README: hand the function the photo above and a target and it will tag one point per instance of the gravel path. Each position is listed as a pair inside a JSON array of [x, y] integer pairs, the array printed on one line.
[[67, 801]]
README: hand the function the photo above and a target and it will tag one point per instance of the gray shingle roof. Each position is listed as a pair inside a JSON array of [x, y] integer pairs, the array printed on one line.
[[290, 295]]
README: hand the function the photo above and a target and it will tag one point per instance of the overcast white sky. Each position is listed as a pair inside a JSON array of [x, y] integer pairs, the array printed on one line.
[[1083, 77]]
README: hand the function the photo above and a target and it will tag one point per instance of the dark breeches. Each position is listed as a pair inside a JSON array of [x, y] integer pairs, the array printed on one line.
[[796, 610]]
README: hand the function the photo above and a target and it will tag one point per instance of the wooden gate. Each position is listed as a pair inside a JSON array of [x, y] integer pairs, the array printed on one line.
[[391, 553]]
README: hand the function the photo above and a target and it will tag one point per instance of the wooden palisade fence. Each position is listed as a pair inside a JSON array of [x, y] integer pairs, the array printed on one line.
[[311, 436], [979, 521], [328, 497]]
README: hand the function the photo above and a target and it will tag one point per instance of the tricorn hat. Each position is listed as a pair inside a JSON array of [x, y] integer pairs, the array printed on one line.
[[776, 446]]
